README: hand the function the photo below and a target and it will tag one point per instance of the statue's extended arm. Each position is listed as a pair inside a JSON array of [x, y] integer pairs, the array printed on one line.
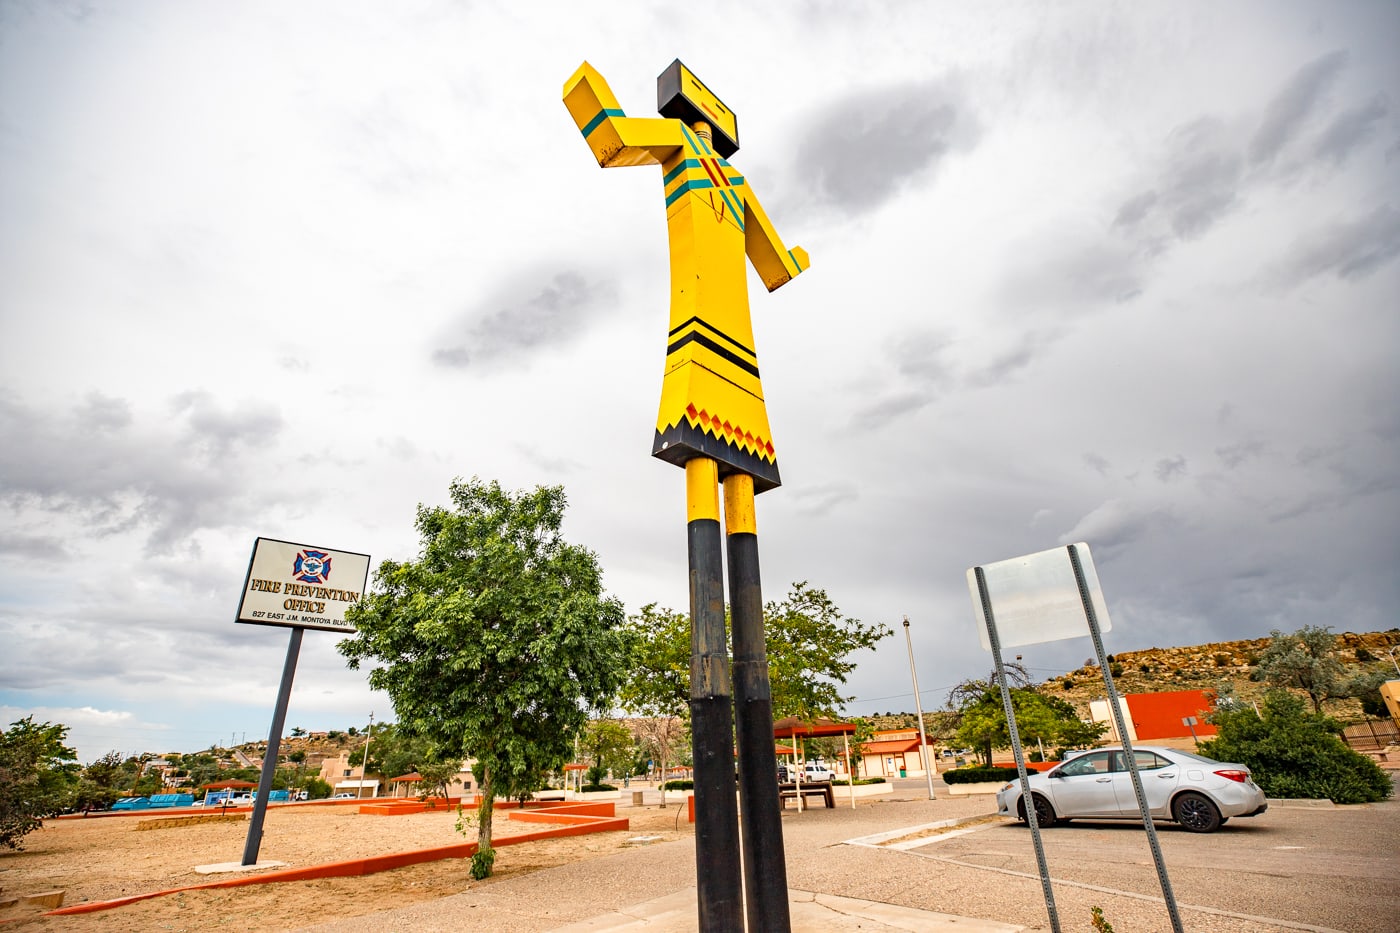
[[776, 265], [616, 139]]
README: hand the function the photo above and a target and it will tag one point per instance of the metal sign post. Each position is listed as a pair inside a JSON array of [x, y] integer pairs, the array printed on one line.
[[1048, 598], [1027, 800], [298, 587], [1190, 723], [1128, 756], [274, 744]]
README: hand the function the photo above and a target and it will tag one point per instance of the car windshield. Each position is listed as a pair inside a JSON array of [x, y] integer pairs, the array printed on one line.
[[1194, 757]]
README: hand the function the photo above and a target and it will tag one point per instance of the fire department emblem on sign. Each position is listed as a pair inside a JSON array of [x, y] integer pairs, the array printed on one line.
[[312, 566]]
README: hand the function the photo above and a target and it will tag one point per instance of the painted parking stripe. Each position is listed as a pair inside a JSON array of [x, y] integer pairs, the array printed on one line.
[[1059, 882]]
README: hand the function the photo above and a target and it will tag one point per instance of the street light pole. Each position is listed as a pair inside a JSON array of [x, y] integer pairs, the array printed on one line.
[[364, 765], [919, 708], [1391, 652]]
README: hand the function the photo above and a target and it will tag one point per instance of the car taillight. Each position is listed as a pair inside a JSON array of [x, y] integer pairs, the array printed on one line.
[[1238, 776]]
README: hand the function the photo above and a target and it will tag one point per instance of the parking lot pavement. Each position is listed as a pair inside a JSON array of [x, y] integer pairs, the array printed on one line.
[[1291, 868]]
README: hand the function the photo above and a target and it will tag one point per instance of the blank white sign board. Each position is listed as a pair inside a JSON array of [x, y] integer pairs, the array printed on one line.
[[1036, 599]]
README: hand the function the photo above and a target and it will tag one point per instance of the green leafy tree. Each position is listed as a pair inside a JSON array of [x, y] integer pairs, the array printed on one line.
[[810, 644], [495, 642], [607, 744], [1366, 687], [437, 775], [1294, 753], [810, 648], [316, 789], [658, 682], [981, 715], [665, 740], [393, 751], [38, 774], [1304, 661]]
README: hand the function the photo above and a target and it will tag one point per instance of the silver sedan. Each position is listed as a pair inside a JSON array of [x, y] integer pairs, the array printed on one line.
[[1197, 792]]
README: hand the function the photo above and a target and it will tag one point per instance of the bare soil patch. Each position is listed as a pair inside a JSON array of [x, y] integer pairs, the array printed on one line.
[[102, 858]]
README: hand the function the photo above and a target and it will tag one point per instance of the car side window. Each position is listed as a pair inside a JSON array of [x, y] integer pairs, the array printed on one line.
[[1146, 761], [1092, 763]]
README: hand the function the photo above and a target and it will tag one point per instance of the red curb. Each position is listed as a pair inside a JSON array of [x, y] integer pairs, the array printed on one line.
[[585, 819]]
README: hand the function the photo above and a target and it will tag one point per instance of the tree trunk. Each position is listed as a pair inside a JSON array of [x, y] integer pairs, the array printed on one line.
[[662, 756], [484, 811]]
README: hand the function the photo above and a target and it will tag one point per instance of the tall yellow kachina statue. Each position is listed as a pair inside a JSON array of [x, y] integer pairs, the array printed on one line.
[[713, 422]]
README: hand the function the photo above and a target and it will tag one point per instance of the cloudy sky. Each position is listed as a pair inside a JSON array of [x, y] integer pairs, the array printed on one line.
[[1116, 273]]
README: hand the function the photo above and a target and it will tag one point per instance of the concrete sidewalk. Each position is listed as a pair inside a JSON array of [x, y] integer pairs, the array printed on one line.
[[811, 913]]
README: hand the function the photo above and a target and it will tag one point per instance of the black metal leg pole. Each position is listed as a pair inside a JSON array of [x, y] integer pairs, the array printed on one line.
[[765, 865], [718, 880], [274, 745]]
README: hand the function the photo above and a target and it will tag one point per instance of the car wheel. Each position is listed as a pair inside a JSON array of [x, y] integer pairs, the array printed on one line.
[[1044, 813], [1196, 813]]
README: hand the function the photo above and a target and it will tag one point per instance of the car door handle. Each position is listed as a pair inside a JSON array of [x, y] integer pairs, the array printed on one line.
[[1170, 774], [1102, 780]]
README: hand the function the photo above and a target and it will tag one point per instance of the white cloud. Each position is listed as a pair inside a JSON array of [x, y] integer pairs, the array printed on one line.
[[1046, 257]]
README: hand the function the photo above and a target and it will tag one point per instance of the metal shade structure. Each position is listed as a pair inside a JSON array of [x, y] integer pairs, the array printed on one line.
[[413, 777], [792, 727]]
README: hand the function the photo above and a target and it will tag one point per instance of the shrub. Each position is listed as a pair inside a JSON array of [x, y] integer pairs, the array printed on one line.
[[842, 782], [979, 774], [1116, 670], [1222, 660], [1363, 655], [592, 788], [1145, 667], [678, 785], [1068, 683], [1295, 753], [482, 862]]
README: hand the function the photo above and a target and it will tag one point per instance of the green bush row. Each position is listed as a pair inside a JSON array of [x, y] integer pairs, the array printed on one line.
[[978, 775], [678, 785], [591, 788], [842, 782]]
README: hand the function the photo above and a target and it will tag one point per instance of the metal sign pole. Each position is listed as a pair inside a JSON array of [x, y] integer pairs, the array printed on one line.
[[274, 744], [1027, 800], [1122, 727]]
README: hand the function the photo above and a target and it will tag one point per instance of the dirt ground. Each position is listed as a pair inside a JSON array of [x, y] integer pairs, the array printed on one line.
[[100, 858]]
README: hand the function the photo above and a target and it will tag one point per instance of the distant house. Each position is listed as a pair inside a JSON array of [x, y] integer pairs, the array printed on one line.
[[890, 752], [345, 779], [338, 773]]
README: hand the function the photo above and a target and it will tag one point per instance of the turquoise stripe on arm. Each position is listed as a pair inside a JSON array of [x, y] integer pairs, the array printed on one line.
[[599, 119], [795, 264]]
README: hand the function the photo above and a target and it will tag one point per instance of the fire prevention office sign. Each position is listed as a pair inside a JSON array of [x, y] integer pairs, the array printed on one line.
[[295, 585]]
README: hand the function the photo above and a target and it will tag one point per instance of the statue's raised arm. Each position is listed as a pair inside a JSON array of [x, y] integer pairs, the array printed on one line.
[[615, 138]]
